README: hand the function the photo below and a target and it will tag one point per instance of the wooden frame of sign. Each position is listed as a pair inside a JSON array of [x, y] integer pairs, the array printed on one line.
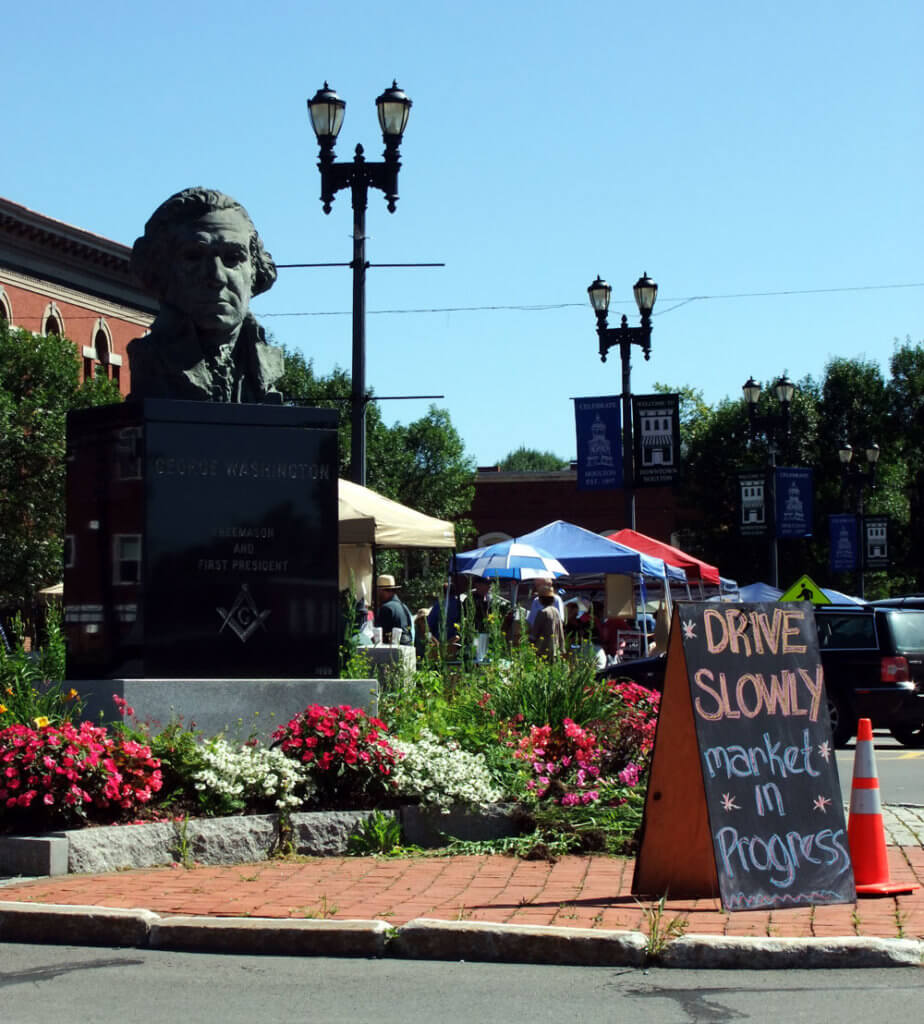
[[743, 798]]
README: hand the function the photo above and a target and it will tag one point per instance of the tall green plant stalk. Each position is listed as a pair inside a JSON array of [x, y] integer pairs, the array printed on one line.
[[32, 682]]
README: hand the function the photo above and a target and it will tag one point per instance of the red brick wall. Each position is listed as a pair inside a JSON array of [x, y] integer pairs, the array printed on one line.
[[80, 322], [515, 504]]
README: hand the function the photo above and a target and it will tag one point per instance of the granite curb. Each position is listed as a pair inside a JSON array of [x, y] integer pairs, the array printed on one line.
[[427, 939], [249, 838], [232, 840]]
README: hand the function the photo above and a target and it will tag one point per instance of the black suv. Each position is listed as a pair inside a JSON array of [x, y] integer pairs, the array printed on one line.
[[873, 659]]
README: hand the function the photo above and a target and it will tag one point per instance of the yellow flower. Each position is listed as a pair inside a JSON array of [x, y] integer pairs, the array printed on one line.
[[72, 695], [40, 722], [9, 691], [2, 708]]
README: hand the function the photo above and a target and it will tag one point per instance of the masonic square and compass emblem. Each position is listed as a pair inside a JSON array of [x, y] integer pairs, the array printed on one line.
[[243, 618]]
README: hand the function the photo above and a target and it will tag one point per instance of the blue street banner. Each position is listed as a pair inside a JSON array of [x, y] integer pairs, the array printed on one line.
[[843, 534], [794, 501], [598, 425]]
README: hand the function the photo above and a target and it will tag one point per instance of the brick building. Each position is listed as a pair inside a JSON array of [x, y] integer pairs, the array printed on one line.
[[509, 504], [62, 279]]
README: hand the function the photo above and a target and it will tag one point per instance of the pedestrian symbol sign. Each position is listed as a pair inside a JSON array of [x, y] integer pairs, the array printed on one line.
[[805, 589]]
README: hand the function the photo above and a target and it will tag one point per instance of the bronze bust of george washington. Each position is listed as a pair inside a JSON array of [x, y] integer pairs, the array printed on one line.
[[201, 257]]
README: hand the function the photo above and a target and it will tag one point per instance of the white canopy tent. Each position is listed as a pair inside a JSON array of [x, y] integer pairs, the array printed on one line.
[[368, 519]]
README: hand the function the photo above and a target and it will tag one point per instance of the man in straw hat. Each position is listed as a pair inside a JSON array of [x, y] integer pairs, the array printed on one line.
[[543, 588], [546, 631], [393, 612]]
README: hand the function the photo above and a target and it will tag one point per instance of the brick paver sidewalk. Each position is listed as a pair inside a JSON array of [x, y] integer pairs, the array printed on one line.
[[580, 892]]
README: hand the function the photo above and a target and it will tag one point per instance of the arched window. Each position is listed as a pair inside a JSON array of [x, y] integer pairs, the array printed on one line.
[[52, 321], [495, 537], [101, 344], [6, 310], [99, 359]]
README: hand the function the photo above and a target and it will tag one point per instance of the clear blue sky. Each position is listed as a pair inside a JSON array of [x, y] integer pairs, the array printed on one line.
[[726, 148]]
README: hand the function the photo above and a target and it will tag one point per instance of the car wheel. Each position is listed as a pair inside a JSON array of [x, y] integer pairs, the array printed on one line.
[[843, 725], [909, 735]]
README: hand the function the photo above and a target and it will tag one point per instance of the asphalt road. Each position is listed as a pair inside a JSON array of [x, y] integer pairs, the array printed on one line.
[[900, 769], [40, 984]]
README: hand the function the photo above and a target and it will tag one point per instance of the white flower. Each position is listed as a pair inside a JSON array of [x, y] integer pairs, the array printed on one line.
[[442, 774], [251, 772]]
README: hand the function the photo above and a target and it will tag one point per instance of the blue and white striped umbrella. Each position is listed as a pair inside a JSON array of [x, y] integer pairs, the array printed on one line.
[[513, 560]]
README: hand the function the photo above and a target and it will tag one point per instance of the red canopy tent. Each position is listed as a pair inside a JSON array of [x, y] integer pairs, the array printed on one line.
[[696, 569]]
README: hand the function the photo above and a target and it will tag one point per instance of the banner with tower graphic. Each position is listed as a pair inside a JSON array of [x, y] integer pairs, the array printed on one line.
[[794, 501], [598, 426]]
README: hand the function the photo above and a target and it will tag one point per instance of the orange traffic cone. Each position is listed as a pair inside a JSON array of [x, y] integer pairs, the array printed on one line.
[[865, 831]]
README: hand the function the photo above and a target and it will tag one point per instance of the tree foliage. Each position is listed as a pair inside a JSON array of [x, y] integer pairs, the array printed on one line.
[[39, 383], [852, 402], [530, 460], [422, 464]]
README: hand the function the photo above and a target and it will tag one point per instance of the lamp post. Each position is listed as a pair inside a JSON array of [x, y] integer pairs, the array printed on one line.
[[853, 473], [772, 426], [326, 110], [646, 292]]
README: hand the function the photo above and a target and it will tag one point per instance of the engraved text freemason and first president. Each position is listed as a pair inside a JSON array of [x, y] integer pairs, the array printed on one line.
[[201, 257]]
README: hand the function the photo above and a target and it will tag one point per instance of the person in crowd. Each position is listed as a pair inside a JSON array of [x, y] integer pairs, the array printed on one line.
[[393, 612], [514, 626], [486, 599], [582, 631], [547, 632], [577, 622], [357, 617], [445, 617], [423, 640], [613, 644], [541, 587]]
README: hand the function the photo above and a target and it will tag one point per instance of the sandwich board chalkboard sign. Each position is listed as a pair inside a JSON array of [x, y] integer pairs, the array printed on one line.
[[743, 799]]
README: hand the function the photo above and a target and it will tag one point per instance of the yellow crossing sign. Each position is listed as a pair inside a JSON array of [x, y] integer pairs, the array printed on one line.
[[805, 589]]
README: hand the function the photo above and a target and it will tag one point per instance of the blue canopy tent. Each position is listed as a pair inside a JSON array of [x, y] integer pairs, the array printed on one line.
[[755, 593], [762, 592], [838, 597], [583, 553]]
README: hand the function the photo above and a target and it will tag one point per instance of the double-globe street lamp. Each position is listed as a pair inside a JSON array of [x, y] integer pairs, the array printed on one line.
[[646, 292], [860, 478], [773, 426], [326, 110]]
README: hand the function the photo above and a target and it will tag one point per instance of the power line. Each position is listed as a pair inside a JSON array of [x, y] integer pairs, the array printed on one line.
[[545, 307]]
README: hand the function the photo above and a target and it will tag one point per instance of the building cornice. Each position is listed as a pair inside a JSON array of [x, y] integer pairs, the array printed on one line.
[[62, 293], [40, 247], [500, 476], [48, 232]]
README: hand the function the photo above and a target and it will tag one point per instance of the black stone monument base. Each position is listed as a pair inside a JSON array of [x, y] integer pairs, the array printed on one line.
[[239, 708], [202, 542]]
